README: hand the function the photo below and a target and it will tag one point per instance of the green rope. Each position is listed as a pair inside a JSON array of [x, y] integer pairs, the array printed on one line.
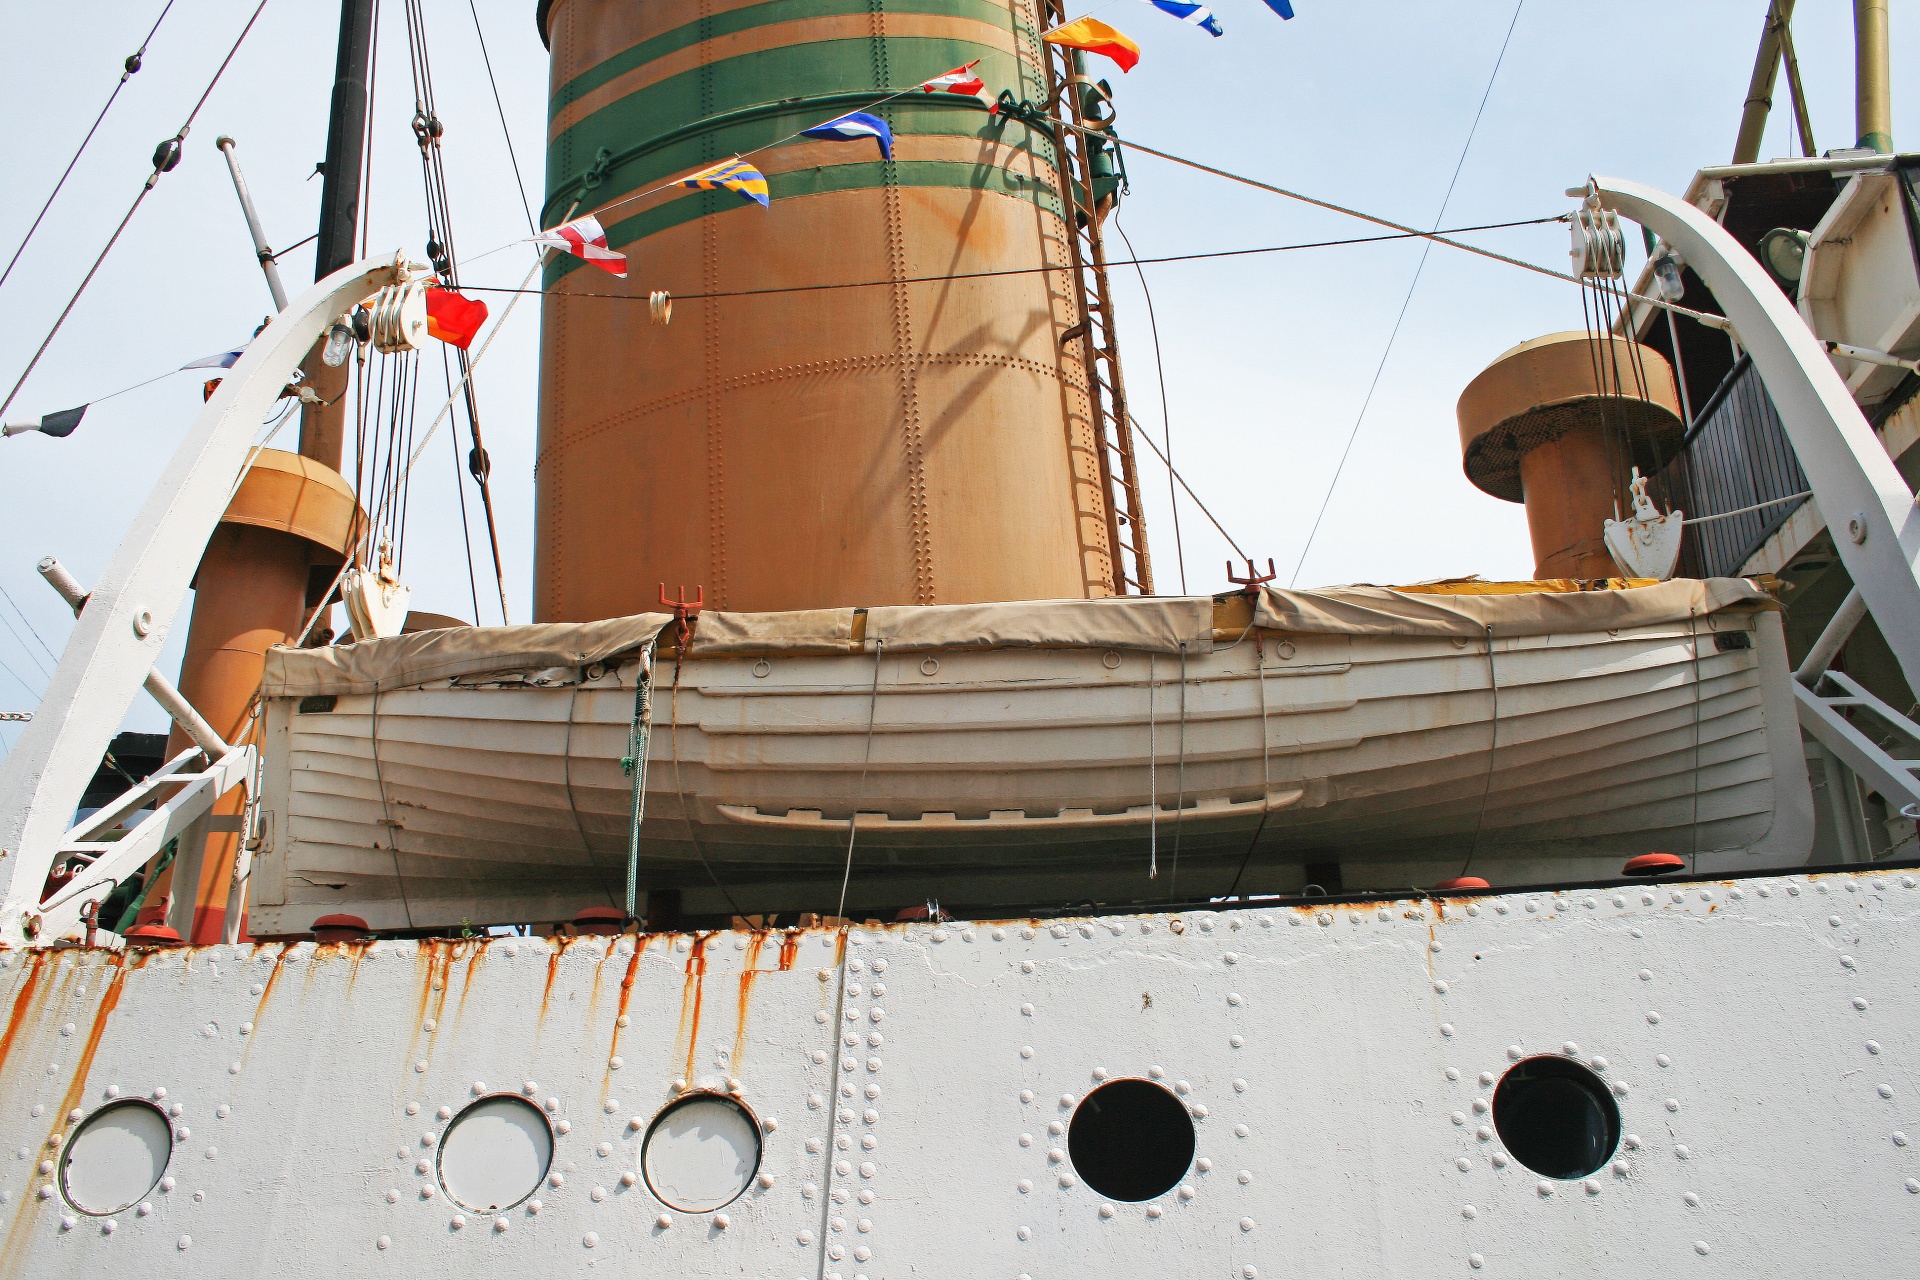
[[634, 765]]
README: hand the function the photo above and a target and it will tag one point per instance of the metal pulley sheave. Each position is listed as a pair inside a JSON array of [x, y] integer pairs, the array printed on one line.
[[1599, 249], [398, 316]]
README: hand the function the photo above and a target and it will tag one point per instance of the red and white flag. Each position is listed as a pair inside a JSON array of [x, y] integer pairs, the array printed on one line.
[[585, 238], [959, 80]]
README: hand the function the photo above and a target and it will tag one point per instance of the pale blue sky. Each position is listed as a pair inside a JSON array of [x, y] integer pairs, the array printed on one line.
[[1267, 359]]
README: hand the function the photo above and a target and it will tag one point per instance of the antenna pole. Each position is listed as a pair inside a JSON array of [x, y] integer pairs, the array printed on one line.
[[260, 249]]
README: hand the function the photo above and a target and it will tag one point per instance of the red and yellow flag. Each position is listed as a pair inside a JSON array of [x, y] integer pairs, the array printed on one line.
[[1096, 37], [454, 317]]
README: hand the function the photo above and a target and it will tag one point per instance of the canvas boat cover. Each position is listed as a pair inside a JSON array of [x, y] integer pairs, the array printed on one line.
[[1160, 624], [1471, 609]]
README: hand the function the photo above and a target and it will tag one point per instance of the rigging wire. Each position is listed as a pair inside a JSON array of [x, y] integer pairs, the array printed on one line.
[[520, 184], [1024, 271], [165, 157], [1387, 351], [25, 647], [30, 627], [1221, 529], [1166, 416], [428, 131], [132, 65]]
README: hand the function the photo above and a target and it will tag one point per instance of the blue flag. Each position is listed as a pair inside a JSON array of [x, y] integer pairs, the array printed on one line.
[[1198, 14], [1282, 7], [852, 127]]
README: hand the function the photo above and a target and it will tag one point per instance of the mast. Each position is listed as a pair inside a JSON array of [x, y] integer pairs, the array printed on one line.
[[322, 427], [1766, 67], [1872, 102]]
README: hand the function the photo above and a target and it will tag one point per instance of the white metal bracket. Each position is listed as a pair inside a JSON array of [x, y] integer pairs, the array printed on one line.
[[1821, 715], [1854, 481], [133, 604]]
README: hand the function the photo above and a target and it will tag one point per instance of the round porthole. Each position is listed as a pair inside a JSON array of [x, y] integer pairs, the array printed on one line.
[[495, 1153], [701, 1153], [116, 1157], [1131, 1140], [1556, 1117]]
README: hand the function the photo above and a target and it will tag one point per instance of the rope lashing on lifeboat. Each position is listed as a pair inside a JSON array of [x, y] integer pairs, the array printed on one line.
[[853, 815], [634, 765]]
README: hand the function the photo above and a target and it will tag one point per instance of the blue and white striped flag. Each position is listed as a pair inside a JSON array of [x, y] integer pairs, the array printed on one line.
[[1198, 14], [852, 127]]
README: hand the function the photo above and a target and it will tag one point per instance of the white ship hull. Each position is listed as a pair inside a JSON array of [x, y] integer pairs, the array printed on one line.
[[1337, 1062], [1017, 769]]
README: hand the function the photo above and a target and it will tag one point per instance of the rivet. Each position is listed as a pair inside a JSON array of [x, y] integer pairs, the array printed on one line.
[[1244, 1177], [424, 1167], [1833, 921], [1023, 1186], [1246, 1224], [1186, 1192], [1480, 1106], [1024, 1233], [557, 1178], [479, 1087], [1860, 1003], [1571, 1049], [1544, 1187], [1483, 1133], [1026, 1010], [1498, 1159], [1663, 1059], [419, 1068], [1913, 1185], [1066, 1100], [1702, 1248], [1459, 1117], [1632, 1142], [1026, 1095], [459, 1221], [1452, 1073], [445, 1113], [1885, 1091], [1592, 1187], [868, 1169], [1469, 1212], [1182, 1088], [167, 1184], [1682, 1152], [1056, 1128], [999, 935], [1099, 1073], [1154, 1211], [1440, 987], [1475, 1261], [1673, 1104], [1241, 1131], [590, 1239], [1513, 1052], [1236, 1041], [393, 1195], [1485, 1078], [722, 1221], [1463, 1164]]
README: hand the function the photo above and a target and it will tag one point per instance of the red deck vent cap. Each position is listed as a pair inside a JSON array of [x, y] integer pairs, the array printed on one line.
[[1654, 864], [599, 922], [154, 935], [1461, 884], [340, 928]]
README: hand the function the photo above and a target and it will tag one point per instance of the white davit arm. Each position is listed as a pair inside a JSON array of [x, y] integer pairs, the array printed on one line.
[[117, 638], [1866, 504]]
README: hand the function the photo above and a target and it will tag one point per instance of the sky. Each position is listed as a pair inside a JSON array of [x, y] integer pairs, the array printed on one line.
[[1267, 360]]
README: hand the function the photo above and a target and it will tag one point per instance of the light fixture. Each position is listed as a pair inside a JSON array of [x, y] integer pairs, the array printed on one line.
[[339, 345], [1783, 252]]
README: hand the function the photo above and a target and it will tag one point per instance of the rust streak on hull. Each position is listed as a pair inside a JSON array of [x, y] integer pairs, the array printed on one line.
[[22, 1002]]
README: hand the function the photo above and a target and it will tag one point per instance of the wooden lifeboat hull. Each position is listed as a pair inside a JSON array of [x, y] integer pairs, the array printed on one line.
[[1038, 774]]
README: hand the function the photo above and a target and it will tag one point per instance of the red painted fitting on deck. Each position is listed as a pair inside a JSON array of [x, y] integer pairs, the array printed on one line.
[[1654, 864], [599, 922], [340, 928], [153, 935], [1461, 884]]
